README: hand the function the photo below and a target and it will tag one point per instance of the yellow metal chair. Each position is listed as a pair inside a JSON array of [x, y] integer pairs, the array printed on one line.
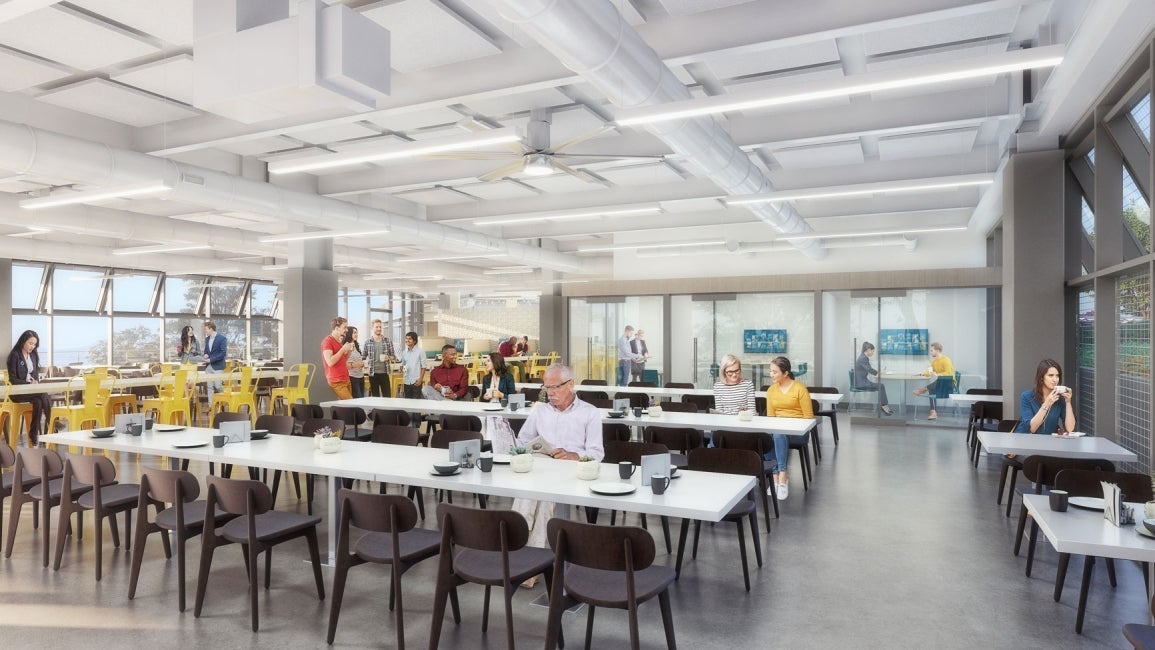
[[240, 389], [297, 381], [13, 413], [119, 402], [174, 398], [91, 409]]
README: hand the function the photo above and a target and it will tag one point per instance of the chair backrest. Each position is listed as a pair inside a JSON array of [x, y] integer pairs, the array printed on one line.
[[301, 411], [593, 394], [389, 416], [228, 416], [615, 432], [760, 404], [276, 424], [38, 463], [531, 394], [725, 461], [678, 384], [593, 382], [352, 416], [679, 407], [644, 384], [7, 456], [234, 496], [380, 513], [1007, 426], [618, 451], [1085, 483], [982, 391], [757, 441], [605, 403], [1041, 470], [91, 469], [441, 438], [483, 530], [169, 485], [460, 422], [703, 402], [678, 438], [312, 425], [395, 434], [989, 410], [607, 548], [828, 390]]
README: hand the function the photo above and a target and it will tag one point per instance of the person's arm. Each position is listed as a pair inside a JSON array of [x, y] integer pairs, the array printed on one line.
[[14, 369], [751, 405], [529, 429], [594, 448], [1031, 415], [506, 386], [1068, 412], [770, 410], [461, 383], [804, 401]]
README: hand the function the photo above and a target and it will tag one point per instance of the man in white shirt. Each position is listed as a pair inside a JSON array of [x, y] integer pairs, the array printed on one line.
[[626, 356]]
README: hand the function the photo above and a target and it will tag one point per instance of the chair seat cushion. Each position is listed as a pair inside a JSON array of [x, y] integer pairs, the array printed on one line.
[[416, 545], [608, 588], [113, 496], [679, 460], [484, 567], [269, 525], [1140, 636], [194, 516], [54, 487], [6, 483], [741, 509]]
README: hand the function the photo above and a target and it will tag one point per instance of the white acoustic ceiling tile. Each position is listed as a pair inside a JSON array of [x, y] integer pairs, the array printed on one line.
[[937, 56], [435, 196], [954, 142], [823, 155], [363, 143], [488, 10], [73, 38], [405, 122], [561, 183], [518, 103], [334, 133], [169, 20], [116, 102], [789, 83], [686, 7], [497, 190], [693, 205], [19, 71], [171, 77], [952, 30], [440, 131], [424, 34], [258, 146], [779, 58], [643, 174]]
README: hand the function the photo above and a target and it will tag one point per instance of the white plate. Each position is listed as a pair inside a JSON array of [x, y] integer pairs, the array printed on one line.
[[613, 489], [501, 459], [1073, 434], [167, 428], [675, 472], [437, 473], [189, 444], [1087, 503], [493, 407], [1142, 530]]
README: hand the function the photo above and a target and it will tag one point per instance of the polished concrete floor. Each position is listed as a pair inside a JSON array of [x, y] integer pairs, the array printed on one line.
[[897, 544]]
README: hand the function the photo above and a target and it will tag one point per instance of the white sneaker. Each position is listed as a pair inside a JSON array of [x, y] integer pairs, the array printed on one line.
[[783, 491]]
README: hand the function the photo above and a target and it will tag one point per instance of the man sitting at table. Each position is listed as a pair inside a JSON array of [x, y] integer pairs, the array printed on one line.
[[573, 428], [449, 380], [506, 346]]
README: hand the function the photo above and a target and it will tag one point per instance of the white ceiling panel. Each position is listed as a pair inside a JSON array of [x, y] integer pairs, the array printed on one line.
[[952, 30], [367, 143], [435, 196], [823, 155], [693, 205], [171, 77], [169, 20], [937, 56], [930, 144], [645, 174], [116, 102], [686, 7], [781, 58], [488, 10], [518, 103], [258, 146], [19, 71], [405, 122], [787, 83], [335, 133], [497, 190], [424, 34], [73, 38], [561, 182]]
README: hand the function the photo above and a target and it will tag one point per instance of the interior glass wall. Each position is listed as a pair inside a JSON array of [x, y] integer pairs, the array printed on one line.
[[596, 324]]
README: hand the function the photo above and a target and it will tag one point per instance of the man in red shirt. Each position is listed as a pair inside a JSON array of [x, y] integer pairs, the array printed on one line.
[[449, 380], [335, 356], [505, 348]]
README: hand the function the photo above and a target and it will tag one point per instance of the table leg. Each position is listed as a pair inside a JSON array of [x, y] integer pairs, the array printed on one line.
[[334, 514]]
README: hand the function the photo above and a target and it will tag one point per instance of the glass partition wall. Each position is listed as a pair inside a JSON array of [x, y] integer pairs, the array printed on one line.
[[597, 323]]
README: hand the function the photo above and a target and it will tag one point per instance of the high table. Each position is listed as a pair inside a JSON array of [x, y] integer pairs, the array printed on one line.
[[694, 495], [1025, 444]]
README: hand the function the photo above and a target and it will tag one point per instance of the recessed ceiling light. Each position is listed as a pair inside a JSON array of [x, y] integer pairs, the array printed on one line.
[[94, 196]]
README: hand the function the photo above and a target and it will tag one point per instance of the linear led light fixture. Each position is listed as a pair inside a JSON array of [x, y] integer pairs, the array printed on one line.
[[566, 281], [626, 247], [32, 230], [275, 267], [866, 189], [473, 286], [567, 216], [509, 270], [163, 248], [874, 233], [447, 258], [319, 234], [924, 75], [94, 196], [394, 151]]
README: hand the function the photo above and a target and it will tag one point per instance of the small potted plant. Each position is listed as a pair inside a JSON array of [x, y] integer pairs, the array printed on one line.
[[321, 434], [520, 459], [588, 468]]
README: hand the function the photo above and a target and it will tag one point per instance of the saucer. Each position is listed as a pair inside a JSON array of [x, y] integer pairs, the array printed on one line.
[[455, 472], [613, 489]]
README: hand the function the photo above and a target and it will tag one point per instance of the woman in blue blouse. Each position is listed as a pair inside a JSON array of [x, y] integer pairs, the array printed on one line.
[[497, 382], [1047, 407]]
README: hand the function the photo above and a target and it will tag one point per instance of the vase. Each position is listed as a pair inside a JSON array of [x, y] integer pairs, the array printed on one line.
[[521, 462]]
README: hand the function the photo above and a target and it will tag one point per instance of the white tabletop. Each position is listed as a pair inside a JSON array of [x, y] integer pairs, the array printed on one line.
[[55, 386], [963, 398], [823, 398], [1025, 444], [1086, 532]]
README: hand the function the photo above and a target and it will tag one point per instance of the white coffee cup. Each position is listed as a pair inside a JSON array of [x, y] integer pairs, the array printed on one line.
[[382, 357], [1149, 510]]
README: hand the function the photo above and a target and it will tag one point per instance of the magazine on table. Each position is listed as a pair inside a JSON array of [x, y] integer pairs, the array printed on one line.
[[539, 446]]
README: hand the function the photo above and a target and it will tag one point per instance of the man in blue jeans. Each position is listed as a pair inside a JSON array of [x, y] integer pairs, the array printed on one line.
[[626, 356], [216, 349]]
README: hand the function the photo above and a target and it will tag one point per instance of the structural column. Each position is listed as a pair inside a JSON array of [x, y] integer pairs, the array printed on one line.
[[310, 302]]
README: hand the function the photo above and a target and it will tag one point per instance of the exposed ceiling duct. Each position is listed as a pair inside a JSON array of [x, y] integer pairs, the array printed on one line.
[[27, 150], [592, 39]]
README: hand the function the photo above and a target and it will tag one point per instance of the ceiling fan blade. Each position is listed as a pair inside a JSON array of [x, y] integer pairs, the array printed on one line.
[[581, 138], [601, 156], [576, 173], [502, 172], [476, 126], [470, 155]]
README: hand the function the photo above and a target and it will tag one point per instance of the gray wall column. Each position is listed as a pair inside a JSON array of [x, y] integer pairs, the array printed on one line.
[[310, 304], [6, 333]]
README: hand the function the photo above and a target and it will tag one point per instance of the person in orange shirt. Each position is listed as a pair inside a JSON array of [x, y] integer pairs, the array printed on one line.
[[785, 398]]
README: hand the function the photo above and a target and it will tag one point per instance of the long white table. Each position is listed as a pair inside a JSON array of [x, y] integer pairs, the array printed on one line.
[[694, 495], [1025, 444], [54, 386], [704, 421], [825, 399]]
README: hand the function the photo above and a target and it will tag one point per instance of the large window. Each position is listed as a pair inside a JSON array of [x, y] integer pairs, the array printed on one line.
[[1085, 355], [1133, 358]]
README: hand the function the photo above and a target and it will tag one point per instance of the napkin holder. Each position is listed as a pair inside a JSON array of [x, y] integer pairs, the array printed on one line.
[[1112, 503], [122, 420], [654, 464], [460, 449], [237, 431]]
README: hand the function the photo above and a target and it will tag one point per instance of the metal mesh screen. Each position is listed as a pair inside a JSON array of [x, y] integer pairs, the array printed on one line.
[[1133, 359], [1085, 353], [1141, 113]]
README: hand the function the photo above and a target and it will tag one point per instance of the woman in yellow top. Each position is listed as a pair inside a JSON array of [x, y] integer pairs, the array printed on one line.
[[940, 366], [785, 398]]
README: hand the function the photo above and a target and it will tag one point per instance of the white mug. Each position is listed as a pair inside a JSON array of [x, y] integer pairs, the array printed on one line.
[[1149, 510], [382, 357]]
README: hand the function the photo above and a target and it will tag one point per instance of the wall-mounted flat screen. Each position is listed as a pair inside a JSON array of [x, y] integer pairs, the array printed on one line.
[[904, 341], [764, 341]]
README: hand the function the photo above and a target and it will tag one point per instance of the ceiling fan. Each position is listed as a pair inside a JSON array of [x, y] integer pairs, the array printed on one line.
[[535, 156]]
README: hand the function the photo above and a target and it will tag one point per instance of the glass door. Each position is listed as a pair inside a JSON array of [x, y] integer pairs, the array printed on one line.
[[715, 333], [595, 325]]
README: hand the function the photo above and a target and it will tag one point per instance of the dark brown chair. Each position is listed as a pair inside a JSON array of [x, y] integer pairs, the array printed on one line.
[[257, 527], [532, 380], [441, 438], [389, 434], [619, 451], [588, 395], [7, 460], [353, 417], [460, 422], [531, 394], [703, 402], [615, 432], [485, 547], [1086, 483], [276, 425], [301, 411], [106, 499], [1011, 464], [593, 382], [679, 440], [679, 407], [1041, 471], [636, 399], [607, 567], [1140, 636], [173, 494], [983, 414], [218, 418], [392, 539], [831, 412], [307, 429], [678, 384], [643, 384], [728, 461], [46, 468], [389, 416], [601, 403]]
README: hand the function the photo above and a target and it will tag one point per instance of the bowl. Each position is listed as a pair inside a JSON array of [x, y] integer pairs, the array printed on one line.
[[616, 414], [330, 445], [1149, 524], [103, 432], [446, 467], [258, 434]]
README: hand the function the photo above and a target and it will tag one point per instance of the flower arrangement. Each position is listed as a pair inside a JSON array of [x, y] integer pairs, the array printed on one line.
[[517, 451], [321, 434], [588, 468]]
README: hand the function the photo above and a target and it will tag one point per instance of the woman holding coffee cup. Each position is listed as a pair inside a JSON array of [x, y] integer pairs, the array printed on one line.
[[785, 398], [497, 383], [1047, 407]]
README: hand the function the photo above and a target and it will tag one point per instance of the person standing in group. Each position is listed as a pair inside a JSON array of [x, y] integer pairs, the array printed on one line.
[[862, 373], [940, 366], [378, 353], [335, 354], [638, 346], [188, 350], [216, 350], [356, 364], [626, 356], [1047, 407], [24, 368], [448, 380], [412, 367], [785, 398]]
